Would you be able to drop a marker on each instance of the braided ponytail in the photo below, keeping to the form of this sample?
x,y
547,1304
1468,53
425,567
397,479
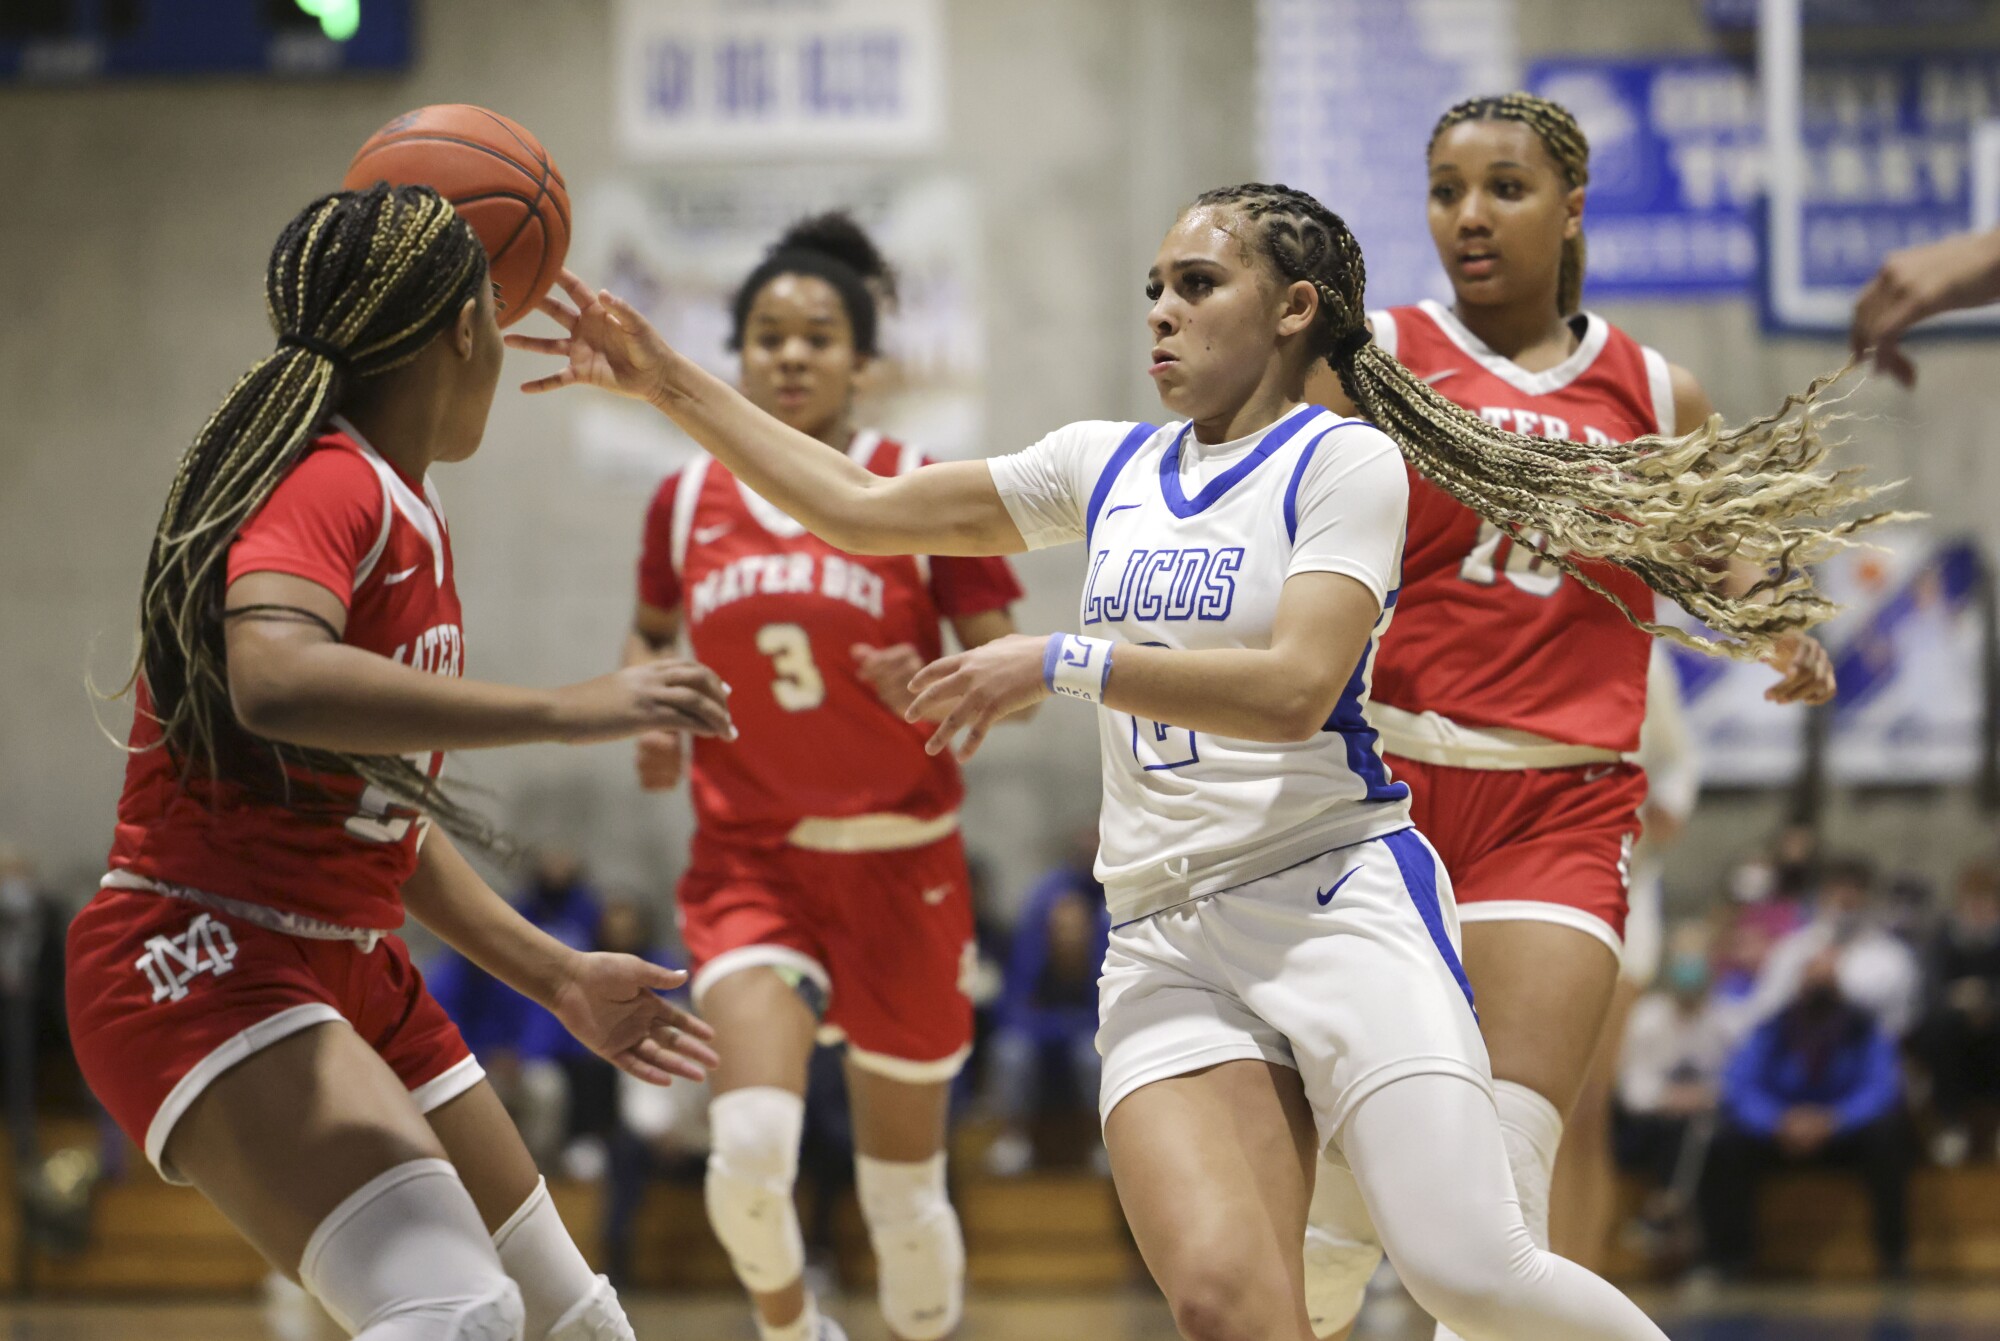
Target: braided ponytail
x,y
358,284
1673,511
1567,145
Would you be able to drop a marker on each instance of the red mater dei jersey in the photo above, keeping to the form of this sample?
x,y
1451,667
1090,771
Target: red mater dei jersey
x,y
1489,633
345,519
777,612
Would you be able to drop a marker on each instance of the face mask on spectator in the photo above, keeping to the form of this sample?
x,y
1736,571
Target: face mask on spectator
x,y
1687,974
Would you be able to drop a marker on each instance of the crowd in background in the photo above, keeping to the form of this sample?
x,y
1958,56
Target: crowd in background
x,y
1820,1014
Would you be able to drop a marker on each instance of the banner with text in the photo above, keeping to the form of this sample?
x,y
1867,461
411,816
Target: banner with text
x,y
779,78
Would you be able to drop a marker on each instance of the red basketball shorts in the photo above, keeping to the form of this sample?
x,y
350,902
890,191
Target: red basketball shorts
x,y
1533,844
166,995
885,937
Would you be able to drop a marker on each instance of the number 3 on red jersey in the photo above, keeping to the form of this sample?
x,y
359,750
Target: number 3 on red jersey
x,y
798,686
1526,567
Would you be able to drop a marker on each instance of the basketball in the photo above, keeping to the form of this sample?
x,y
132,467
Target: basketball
x,y
499,177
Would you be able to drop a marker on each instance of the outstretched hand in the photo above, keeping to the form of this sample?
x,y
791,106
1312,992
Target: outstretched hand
x,y
1920,282
1807,670
973,690
611,1003
606,343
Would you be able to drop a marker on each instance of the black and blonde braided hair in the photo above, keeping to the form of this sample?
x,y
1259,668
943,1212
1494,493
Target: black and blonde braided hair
x,y
1674,511
358,284
1567,145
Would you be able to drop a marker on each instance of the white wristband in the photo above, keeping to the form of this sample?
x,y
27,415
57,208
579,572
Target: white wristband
x,y
1076,666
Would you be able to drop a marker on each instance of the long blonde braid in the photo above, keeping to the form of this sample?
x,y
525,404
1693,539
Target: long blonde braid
x,y
1673,511
358,284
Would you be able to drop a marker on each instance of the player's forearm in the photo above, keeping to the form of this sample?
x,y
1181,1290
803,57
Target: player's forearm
x,y
331,696
1242,693
449,897
821,488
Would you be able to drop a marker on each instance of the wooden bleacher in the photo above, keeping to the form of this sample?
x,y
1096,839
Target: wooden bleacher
x,y
1044,1231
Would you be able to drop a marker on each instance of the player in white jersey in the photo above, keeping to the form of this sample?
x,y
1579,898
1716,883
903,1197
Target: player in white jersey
x,y
1284,974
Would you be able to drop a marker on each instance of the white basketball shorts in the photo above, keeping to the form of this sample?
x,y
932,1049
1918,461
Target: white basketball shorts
x,y
1344,968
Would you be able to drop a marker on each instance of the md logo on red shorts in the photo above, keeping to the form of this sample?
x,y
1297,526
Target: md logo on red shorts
x,y
172,962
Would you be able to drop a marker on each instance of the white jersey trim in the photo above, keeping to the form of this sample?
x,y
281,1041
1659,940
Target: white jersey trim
x,y
1527,910
281,920
1384,324
687,497
871,833
253,1040
907,1071
417,511
1596,334
1432,738
447,1085
1660,381
758,956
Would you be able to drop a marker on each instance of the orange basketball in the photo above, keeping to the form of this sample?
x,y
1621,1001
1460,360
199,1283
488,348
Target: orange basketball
x,y
500,178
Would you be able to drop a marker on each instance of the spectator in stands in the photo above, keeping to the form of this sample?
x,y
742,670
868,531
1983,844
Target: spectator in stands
x,y
1820,1083
1047,1018
1959,1039
1878,970
531,1060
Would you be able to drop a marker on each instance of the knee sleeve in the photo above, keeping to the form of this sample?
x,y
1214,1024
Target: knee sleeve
x,y
406,1258
1341,1251
564,1299
1531,1130
919,1249
752,1164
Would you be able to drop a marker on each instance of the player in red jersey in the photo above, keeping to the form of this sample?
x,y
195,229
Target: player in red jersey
x,y
1509,695
828,883
237,997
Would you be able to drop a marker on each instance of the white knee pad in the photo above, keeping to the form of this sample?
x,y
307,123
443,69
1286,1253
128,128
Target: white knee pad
x,y
1342,1250
1533,1132
406,1258
597,1316
752,1163
1531,1128
919,1248
564,1299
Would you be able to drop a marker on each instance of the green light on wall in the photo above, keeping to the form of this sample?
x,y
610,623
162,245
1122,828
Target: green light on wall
x,y
338,19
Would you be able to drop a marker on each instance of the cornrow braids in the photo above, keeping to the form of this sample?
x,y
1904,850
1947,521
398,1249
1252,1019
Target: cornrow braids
x,y
358,284
1567,145
1674,511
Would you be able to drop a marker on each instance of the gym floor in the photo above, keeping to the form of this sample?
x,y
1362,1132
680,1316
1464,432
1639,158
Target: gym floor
x,y
1819,1314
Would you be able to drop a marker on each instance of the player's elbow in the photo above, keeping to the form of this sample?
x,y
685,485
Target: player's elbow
x,y
264,698
1301,711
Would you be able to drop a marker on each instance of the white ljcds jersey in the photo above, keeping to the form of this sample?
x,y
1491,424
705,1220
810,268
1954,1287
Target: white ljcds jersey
x,y
1189,547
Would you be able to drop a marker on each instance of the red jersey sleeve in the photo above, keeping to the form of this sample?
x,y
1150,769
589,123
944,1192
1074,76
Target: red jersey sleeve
x,y
322,523
964,587
659,584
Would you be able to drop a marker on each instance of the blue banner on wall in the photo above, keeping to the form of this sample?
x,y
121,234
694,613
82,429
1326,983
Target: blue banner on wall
x,y
1677,165
1676,171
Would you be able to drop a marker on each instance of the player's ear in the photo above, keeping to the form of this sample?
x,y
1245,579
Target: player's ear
x,y
465,334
